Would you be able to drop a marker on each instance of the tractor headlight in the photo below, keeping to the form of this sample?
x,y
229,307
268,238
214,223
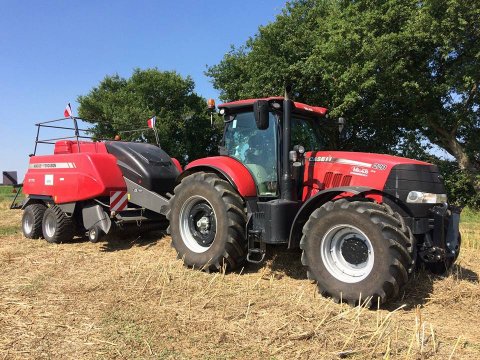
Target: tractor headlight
x,y
419,197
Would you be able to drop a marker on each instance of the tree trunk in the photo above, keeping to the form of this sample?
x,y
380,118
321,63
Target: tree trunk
x,y
449,142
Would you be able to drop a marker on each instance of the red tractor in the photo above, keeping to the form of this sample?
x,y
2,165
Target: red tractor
x,y
362,220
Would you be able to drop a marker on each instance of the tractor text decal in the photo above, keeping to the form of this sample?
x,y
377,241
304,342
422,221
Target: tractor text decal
x,y
320,159
359,171
339,161
63,165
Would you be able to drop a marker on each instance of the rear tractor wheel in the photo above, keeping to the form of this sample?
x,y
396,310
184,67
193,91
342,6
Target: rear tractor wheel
x,y
358,252
32,220
57,227
207,223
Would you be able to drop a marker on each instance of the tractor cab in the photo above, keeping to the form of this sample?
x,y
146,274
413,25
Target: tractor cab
x,y
255,139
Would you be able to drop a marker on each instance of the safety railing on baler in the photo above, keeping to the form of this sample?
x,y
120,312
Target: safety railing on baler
x,y
78,134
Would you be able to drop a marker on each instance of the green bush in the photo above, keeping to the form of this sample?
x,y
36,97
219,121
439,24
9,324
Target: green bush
x,y
460,190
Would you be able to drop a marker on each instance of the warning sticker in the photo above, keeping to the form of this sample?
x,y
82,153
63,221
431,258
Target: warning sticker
x,y
49,179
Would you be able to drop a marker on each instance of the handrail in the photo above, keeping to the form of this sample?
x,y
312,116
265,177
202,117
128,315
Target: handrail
x,y
75,129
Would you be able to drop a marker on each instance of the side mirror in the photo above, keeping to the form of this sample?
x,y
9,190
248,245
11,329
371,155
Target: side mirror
x,y
262,113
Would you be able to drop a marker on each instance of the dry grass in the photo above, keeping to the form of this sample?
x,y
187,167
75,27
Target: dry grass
x,y
131,298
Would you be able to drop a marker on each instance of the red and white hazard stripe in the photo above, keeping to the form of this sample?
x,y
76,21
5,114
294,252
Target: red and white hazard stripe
x,y
118,200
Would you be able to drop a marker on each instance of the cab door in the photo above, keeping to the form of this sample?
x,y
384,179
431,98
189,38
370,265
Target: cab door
x,y
256,149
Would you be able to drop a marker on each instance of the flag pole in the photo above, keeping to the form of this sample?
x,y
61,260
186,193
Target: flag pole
x,y
68,113
156,135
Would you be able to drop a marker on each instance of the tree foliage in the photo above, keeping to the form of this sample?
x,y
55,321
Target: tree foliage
x,y
118,106
403,73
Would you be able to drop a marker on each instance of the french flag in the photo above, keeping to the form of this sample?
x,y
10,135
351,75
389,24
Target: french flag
x,y
151,122
68,111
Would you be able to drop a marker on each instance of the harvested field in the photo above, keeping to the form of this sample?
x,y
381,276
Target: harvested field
x,y
131,298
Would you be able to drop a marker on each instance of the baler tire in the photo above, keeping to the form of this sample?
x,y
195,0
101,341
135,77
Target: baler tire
x,y
222,242
32,221
57,227
95,234
358,252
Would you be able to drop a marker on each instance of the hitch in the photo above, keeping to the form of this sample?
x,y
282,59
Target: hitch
x,y
443,241
452,240
17,189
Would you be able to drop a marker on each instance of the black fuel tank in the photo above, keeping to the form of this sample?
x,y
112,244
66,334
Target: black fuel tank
x,y
145,164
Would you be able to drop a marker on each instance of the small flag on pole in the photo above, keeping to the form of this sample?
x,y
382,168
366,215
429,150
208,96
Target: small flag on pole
x,y
151,122
68,111
151,125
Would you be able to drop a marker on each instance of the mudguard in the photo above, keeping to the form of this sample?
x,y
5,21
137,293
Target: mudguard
x,y
318,200
231,169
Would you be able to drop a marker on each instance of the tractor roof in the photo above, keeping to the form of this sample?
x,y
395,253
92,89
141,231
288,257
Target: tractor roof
x,y
298,107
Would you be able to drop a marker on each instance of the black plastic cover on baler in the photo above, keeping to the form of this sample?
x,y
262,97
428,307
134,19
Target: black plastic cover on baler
x,y
145,164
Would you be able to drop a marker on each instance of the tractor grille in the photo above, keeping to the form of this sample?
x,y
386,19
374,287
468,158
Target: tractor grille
x,y
335,180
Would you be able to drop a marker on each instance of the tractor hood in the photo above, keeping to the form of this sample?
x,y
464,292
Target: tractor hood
x,y
328,169
364,160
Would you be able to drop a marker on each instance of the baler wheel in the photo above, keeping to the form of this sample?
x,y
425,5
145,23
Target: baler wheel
x,y
32,221
95,234
57,227
207,223
358,252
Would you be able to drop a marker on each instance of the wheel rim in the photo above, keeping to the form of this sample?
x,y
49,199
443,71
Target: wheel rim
x,y
347,253
50,226
93,234
28,224
198,224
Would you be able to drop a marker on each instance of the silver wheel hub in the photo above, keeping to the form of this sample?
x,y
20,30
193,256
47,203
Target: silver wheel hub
x,y
198,224
203,225
28,224
347,253
50,226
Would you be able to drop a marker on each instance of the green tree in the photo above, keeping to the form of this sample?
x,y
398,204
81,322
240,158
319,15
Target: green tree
x,y
401,72
118,106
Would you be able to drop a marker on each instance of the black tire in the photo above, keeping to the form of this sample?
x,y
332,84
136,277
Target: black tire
x,y
95,234
57,227
358,251
206,199
32,221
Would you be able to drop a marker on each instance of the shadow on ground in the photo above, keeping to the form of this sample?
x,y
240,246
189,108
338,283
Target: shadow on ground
x,y
129,238
420,287
280,260
283,261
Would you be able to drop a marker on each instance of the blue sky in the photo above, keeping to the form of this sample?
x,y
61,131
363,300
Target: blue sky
x,y
53,51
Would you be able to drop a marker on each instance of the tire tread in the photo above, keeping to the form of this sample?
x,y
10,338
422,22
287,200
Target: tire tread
x,y
235,250
65,226
37,211
393,229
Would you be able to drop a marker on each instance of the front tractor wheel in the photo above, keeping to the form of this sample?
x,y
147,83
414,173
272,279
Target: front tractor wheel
x,y
32,220
207,223
57,227
358,252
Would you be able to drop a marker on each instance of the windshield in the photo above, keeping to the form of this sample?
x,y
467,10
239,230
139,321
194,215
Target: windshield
x,y
255,148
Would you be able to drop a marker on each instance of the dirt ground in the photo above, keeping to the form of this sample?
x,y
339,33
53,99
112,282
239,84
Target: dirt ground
x,y
131,298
